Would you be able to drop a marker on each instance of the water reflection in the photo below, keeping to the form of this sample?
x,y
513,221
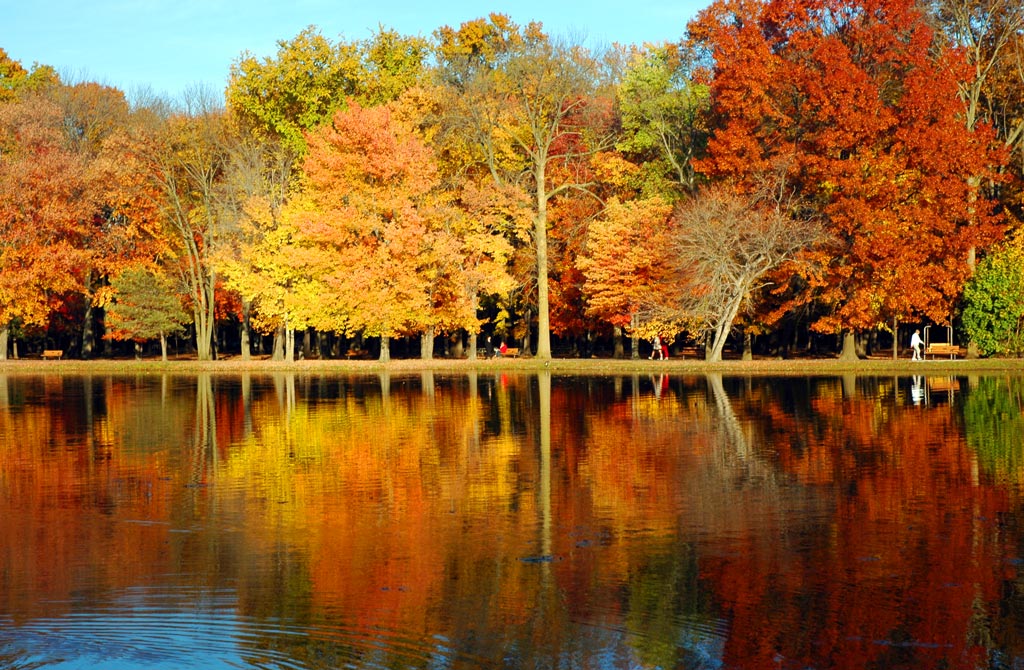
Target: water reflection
x,y
283,521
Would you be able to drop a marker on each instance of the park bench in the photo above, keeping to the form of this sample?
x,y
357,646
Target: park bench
x,y
511,352
944,349
355,353
54,354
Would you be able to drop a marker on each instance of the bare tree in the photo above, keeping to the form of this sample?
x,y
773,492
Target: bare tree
x,y
726,245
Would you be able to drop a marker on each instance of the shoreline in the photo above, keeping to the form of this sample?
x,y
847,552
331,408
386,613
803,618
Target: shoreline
x,y
592,366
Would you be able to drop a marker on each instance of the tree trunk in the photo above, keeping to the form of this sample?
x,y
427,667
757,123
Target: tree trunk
x,y
849,352
289,344
244,335
427,344
723,327
88,330
163,347
472,345
5,337
618,350
540,234
895,338
456,348
138,350
524,344
385,349
279,337
634,338
748,346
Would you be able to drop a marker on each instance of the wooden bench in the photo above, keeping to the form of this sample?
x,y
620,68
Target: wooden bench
x,y
936,349
510,352
355,353
53,354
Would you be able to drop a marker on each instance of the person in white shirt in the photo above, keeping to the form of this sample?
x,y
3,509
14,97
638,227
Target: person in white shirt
x,y
915,344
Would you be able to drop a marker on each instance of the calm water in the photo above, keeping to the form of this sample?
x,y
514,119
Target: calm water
x,y
510,521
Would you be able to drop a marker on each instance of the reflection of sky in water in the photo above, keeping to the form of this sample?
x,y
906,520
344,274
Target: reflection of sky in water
x,y
143,629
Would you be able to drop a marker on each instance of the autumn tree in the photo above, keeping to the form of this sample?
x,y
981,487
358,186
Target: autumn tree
x,y
186,159
45,208
725,246
98,126
625,263
259,174
15,80
521,101
370,229
859,100
491,216
145,306
297,89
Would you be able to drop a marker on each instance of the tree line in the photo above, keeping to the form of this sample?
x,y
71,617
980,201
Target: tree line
x,y
789,174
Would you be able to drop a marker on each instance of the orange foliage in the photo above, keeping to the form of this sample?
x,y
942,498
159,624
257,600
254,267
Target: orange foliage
x,y
861,105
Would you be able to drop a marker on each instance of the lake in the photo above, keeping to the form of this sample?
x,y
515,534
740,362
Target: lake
x,y
507,520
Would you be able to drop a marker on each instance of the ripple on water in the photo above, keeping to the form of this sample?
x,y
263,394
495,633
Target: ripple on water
x,y
145,631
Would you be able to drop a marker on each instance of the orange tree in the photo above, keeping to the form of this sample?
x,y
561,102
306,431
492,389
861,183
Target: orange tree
x,y
45,208
369,231
859,100
625,262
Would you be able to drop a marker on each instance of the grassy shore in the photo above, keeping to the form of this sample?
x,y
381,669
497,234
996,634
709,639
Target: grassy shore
x,y
592,366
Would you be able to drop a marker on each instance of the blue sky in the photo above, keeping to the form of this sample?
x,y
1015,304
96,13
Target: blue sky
x,y
170,45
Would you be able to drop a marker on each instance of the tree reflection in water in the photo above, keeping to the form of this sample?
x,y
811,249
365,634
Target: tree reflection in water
x,y
498,519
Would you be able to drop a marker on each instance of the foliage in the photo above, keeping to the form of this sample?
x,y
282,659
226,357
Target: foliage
x,y
185,159
145,306
46,205
625,261
859,103
524,107
993,310
663,115
298,89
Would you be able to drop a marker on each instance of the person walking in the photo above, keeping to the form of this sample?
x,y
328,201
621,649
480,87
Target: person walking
x,y
915,344
656,347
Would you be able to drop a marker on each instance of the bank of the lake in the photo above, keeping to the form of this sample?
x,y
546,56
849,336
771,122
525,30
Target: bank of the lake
x,y
593,366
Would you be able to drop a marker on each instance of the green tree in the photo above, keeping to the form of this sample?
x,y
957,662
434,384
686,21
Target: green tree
x,y
145,307
664,117
993,313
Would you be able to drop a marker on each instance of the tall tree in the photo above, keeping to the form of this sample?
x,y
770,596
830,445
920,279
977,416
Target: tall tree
x,y
523,101
858,100
372,185
186,160
45,208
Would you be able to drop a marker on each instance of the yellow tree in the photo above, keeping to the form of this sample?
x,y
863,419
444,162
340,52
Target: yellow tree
x,y
521,102
372,184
